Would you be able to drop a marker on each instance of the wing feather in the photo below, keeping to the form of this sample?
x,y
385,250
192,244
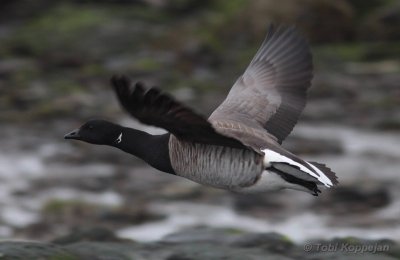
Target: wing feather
x,y
271,93
152,107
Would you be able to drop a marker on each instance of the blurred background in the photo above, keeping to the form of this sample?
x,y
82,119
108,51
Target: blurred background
x,y
56,59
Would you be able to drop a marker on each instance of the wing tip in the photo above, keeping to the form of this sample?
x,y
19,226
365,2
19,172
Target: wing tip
x,y
118,80
298,53
122,84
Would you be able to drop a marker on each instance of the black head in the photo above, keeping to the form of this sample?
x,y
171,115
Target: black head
x,y
97,132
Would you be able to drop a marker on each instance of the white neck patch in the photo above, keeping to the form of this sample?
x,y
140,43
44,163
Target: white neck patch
x,y
119,139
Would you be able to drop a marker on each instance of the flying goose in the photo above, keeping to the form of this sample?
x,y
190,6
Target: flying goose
x,y
238,147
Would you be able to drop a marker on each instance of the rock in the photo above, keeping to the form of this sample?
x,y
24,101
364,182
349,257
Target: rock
x,y
321,20
272,242
373,67
128,216
303,145
98,234
354,199
383,23
184,7
326,12
203,234
183,190
207,244
32,250
325,110
87,220
11,66
267,204
388,124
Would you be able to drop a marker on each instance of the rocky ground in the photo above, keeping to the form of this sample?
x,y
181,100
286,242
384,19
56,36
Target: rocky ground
x,y
199,243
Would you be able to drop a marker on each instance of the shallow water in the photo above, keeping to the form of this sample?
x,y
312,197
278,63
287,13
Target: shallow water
x,y
368,157
300,228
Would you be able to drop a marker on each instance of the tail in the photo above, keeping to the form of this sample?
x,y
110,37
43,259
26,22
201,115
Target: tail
x,y
297,171
327,171
293,174
297,183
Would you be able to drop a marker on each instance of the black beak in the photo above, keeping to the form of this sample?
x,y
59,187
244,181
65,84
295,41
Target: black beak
x,y
73,135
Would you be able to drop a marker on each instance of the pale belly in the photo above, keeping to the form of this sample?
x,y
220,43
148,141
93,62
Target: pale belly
x,y
270,181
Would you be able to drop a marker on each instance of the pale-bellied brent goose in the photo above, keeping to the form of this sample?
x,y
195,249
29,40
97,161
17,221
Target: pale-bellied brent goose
x,y
238,147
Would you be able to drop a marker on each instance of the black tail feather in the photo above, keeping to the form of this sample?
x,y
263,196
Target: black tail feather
x,y
327,171
310,185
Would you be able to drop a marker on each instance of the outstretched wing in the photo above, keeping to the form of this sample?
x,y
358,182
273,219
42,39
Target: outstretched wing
x,y
158,109
271,93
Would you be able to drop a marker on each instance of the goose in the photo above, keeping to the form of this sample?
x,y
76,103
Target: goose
x,y
238,148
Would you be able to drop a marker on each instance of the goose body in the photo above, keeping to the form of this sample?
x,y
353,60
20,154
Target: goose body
x,y
218,166
238,147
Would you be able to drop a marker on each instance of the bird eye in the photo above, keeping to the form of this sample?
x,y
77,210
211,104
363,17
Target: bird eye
x,y
90,127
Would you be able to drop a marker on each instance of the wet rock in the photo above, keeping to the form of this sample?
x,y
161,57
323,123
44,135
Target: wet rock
x,y
10,66
74,180
129,216
266,204
389,124
326,12
204,234
183,191
354,199
276,206
383,23
303,145
98,234
228,245
39,230
32,250
371,68
337,97
181,7
324,110
76,213
95,218
335,19
272,242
